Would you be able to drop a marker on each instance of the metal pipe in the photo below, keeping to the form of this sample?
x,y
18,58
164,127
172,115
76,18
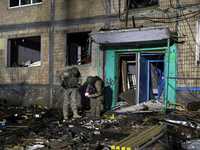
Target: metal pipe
x,y
142,49
167,74
127,9
119,10
98,55
181,78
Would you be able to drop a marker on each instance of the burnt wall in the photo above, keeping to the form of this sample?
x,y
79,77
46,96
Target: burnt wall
x,y
27,95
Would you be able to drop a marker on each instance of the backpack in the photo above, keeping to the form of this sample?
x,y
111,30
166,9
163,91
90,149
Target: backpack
x,y
93,89
98,78
71,82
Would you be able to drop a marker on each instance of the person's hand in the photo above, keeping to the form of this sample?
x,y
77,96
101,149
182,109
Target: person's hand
x,y
87,90
89,95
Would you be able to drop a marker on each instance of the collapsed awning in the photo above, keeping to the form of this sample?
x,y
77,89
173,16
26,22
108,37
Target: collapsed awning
x,y
131,37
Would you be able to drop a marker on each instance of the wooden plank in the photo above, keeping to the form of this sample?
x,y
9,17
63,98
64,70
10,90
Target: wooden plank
x,y
124,76
10,126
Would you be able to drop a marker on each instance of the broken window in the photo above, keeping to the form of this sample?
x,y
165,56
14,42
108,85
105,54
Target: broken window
x,y
24,52
141,3
16,3
78,48
197,42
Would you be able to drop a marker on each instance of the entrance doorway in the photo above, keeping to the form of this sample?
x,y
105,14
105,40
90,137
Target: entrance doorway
x,y
151,82
127,77
140,77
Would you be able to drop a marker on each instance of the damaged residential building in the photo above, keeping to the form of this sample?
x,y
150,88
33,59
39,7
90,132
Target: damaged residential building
x,y
148,47
142,49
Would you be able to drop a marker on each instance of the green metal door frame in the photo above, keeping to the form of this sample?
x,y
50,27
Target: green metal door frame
x,y
111,76
170,71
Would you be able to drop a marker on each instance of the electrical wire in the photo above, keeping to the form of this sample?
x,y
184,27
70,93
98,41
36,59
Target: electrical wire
x,y
172,21
114,7
182,17
193,53
171,17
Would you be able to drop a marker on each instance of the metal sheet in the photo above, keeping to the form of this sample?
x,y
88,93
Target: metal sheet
x,y
130,35
128,96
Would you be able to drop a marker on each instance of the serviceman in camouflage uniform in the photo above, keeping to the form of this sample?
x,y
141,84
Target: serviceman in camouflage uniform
x,y
95,89
70,80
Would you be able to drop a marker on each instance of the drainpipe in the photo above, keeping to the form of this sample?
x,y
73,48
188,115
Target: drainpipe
x,y
51,52
119,11
98,55
167,73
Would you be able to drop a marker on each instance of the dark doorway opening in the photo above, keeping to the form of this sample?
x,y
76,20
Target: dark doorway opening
x,y
151,73
127,77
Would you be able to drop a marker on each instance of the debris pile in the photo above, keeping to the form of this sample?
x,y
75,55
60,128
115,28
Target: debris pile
x,y
122,127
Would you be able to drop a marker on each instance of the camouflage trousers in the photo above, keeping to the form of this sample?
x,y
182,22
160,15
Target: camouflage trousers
x,y
95,104
69,100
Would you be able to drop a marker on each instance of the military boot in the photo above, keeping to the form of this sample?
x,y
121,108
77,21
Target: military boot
x,y
76,115
65,116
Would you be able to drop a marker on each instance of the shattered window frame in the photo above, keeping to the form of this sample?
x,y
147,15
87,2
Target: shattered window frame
x,y
137,4
23,52
22,3
78,48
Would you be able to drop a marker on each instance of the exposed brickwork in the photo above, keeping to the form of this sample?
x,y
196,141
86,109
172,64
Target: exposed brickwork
x,y
67,10
26,14
38,75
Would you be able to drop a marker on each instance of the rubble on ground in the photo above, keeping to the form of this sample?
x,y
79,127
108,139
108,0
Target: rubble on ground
x,y
39,127
152,105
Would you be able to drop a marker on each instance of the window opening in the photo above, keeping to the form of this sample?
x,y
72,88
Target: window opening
x,y
24,52
78,48
25,2
17,3
142,3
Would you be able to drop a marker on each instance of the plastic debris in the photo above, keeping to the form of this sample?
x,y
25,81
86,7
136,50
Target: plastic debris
x,y
112,117
3,127
191,145
34,147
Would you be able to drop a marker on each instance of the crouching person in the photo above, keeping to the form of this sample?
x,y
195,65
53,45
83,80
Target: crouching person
x,y
95,90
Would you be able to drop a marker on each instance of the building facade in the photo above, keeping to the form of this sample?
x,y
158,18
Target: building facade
x,y
39,39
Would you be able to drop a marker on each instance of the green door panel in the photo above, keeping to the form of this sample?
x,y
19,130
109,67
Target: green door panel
x,y
110,79
172,68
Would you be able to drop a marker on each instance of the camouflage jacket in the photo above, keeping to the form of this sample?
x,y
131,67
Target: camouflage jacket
x,y
99,85
66,79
